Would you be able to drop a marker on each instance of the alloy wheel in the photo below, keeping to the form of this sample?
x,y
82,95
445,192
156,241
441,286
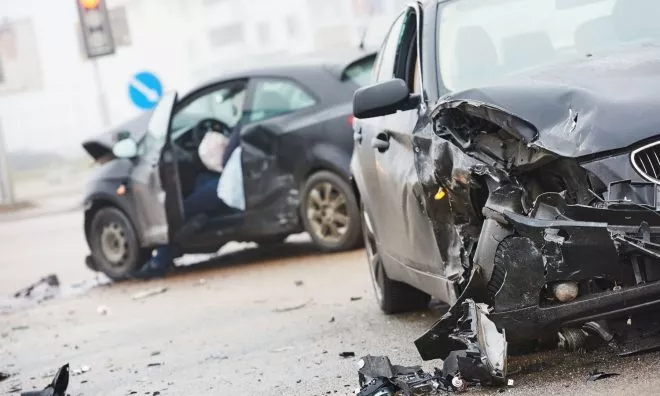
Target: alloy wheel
x,y
375,267
327,212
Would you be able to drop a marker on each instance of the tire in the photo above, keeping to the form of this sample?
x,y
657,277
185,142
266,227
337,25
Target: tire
x,y
330,212
392,296
114,243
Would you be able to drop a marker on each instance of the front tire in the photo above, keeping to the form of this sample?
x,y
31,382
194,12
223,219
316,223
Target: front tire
x,y
392,296
330,212
114,243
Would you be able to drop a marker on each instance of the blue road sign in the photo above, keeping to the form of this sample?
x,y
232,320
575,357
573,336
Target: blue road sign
x,y
145,90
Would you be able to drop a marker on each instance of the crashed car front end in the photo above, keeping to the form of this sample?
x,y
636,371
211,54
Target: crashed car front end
x,y
550,242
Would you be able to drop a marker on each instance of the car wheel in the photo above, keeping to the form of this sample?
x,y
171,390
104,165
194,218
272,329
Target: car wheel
x,y
330,212
114,244
392,296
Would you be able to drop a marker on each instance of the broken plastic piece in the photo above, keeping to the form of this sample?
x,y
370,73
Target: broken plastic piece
x,y
440,194
599,375
57,387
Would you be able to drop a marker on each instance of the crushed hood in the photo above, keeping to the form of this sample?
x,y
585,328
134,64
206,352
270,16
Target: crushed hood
x,y
101,145
598,104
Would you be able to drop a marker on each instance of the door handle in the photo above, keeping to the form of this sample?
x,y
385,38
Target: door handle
x,y
357,135
381,142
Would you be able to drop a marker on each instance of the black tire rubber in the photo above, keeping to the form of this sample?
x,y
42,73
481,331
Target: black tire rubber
x,y
398,297
394,297
137,256
353,237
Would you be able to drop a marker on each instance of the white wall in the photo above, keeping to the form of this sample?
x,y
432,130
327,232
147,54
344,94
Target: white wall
x,y
169,38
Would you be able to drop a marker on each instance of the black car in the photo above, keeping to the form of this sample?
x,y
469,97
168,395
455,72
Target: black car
x,y
517,165
295,126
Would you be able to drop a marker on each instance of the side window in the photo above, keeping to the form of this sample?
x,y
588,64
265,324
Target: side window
x,y
223,104
273,97
388,52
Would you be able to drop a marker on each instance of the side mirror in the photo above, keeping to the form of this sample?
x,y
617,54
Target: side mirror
x,y
384,98
125,148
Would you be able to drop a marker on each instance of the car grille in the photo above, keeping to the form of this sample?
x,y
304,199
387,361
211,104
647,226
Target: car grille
x,y
646,161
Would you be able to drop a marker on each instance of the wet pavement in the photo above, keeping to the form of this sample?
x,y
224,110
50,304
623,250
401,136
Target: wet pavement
x,y
249,322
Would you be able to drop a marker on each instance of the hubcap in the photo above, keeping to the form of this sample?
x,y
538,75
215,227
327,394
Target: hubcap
x,y
114,244
375,267
327,212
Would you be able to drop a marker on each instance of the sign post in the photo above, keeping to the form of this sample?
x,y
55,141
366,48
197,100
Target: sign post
x,y
98,41
6,185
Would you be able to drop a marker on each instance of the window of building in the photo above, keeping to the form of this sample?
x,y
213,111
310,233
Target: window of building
x,y
227,35
292,26
263,33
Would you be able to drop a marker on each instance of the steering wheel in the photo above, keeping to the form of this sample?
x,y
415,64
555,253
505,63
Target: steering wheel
x,y
206,125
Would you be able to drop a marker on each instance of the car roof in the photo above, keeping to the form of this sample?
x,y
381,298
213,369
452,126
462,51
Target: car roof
x,y
329,62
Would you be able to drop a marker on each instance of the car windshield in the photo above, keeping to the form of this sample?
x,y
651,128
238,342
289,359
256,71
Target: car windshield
x,y
481,41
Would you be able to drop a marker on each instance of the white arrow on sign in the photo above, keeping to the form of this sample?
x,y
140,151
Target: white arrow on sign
x,y
151,94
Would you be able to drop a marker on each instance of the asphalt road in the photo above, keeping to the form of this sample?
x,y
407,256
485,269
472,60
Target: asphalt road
x,y
238,324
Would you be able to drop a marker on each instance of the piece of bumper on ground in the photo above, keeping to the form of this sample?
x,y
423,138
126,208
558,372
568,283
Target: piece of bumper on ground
x,y
479,357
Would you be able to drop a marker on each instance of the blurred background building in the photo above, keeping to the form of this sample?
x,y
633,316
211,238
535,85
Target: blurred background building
x,y
48,94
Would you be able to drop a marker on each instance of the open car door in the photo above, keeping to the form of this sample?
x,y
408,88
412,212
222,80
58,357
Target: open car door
x,y
268,181
155,179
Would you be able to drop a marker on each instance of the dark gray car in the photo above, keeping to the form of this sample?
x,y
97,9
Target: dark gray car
x,y
295,126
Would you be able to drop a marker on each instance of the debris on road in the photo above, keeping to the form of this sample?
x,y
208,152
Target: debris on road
x,y
347,354
81,370
473,351
292,308
57,387
149,293
155,353
44,289
356,298
332,320
599,375
283,349
4,376
154,364
18,328
298,283
102,310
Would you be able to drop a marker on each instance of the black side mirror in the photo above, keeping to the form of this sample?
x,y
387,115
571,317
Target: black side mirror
x,y
384,98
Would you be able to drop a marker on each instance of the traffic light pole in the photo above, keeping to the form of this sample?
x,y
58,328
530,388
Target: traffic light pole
x,y
6,185
103,103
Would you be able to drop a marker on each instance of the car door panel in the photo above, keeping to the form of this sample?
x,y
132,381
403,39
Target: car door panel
x,y
154,180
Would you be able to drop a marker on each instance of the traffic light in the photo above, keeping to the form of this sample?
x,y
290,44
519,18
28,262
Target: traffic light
x,y
95,26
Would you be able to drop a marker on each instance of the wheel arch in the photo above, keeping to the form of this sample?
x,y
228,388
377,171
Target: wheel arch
x,y
95,203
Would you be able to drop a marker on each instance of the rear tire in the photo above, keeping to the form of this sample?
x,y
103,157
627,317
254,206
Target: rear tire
x,y
392,296
115,247
330,212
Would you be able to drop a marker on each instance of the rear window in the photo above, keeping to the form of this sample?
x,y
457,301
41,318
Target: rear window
x,y
360,72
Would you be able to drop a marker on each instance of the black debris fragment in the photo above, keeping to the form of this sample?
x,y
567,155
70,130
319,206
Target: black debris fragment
x,y
43,289
155,353
599,375
347,354
332,320
4,376
356,298
57,387
154,364
473,350
298,283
